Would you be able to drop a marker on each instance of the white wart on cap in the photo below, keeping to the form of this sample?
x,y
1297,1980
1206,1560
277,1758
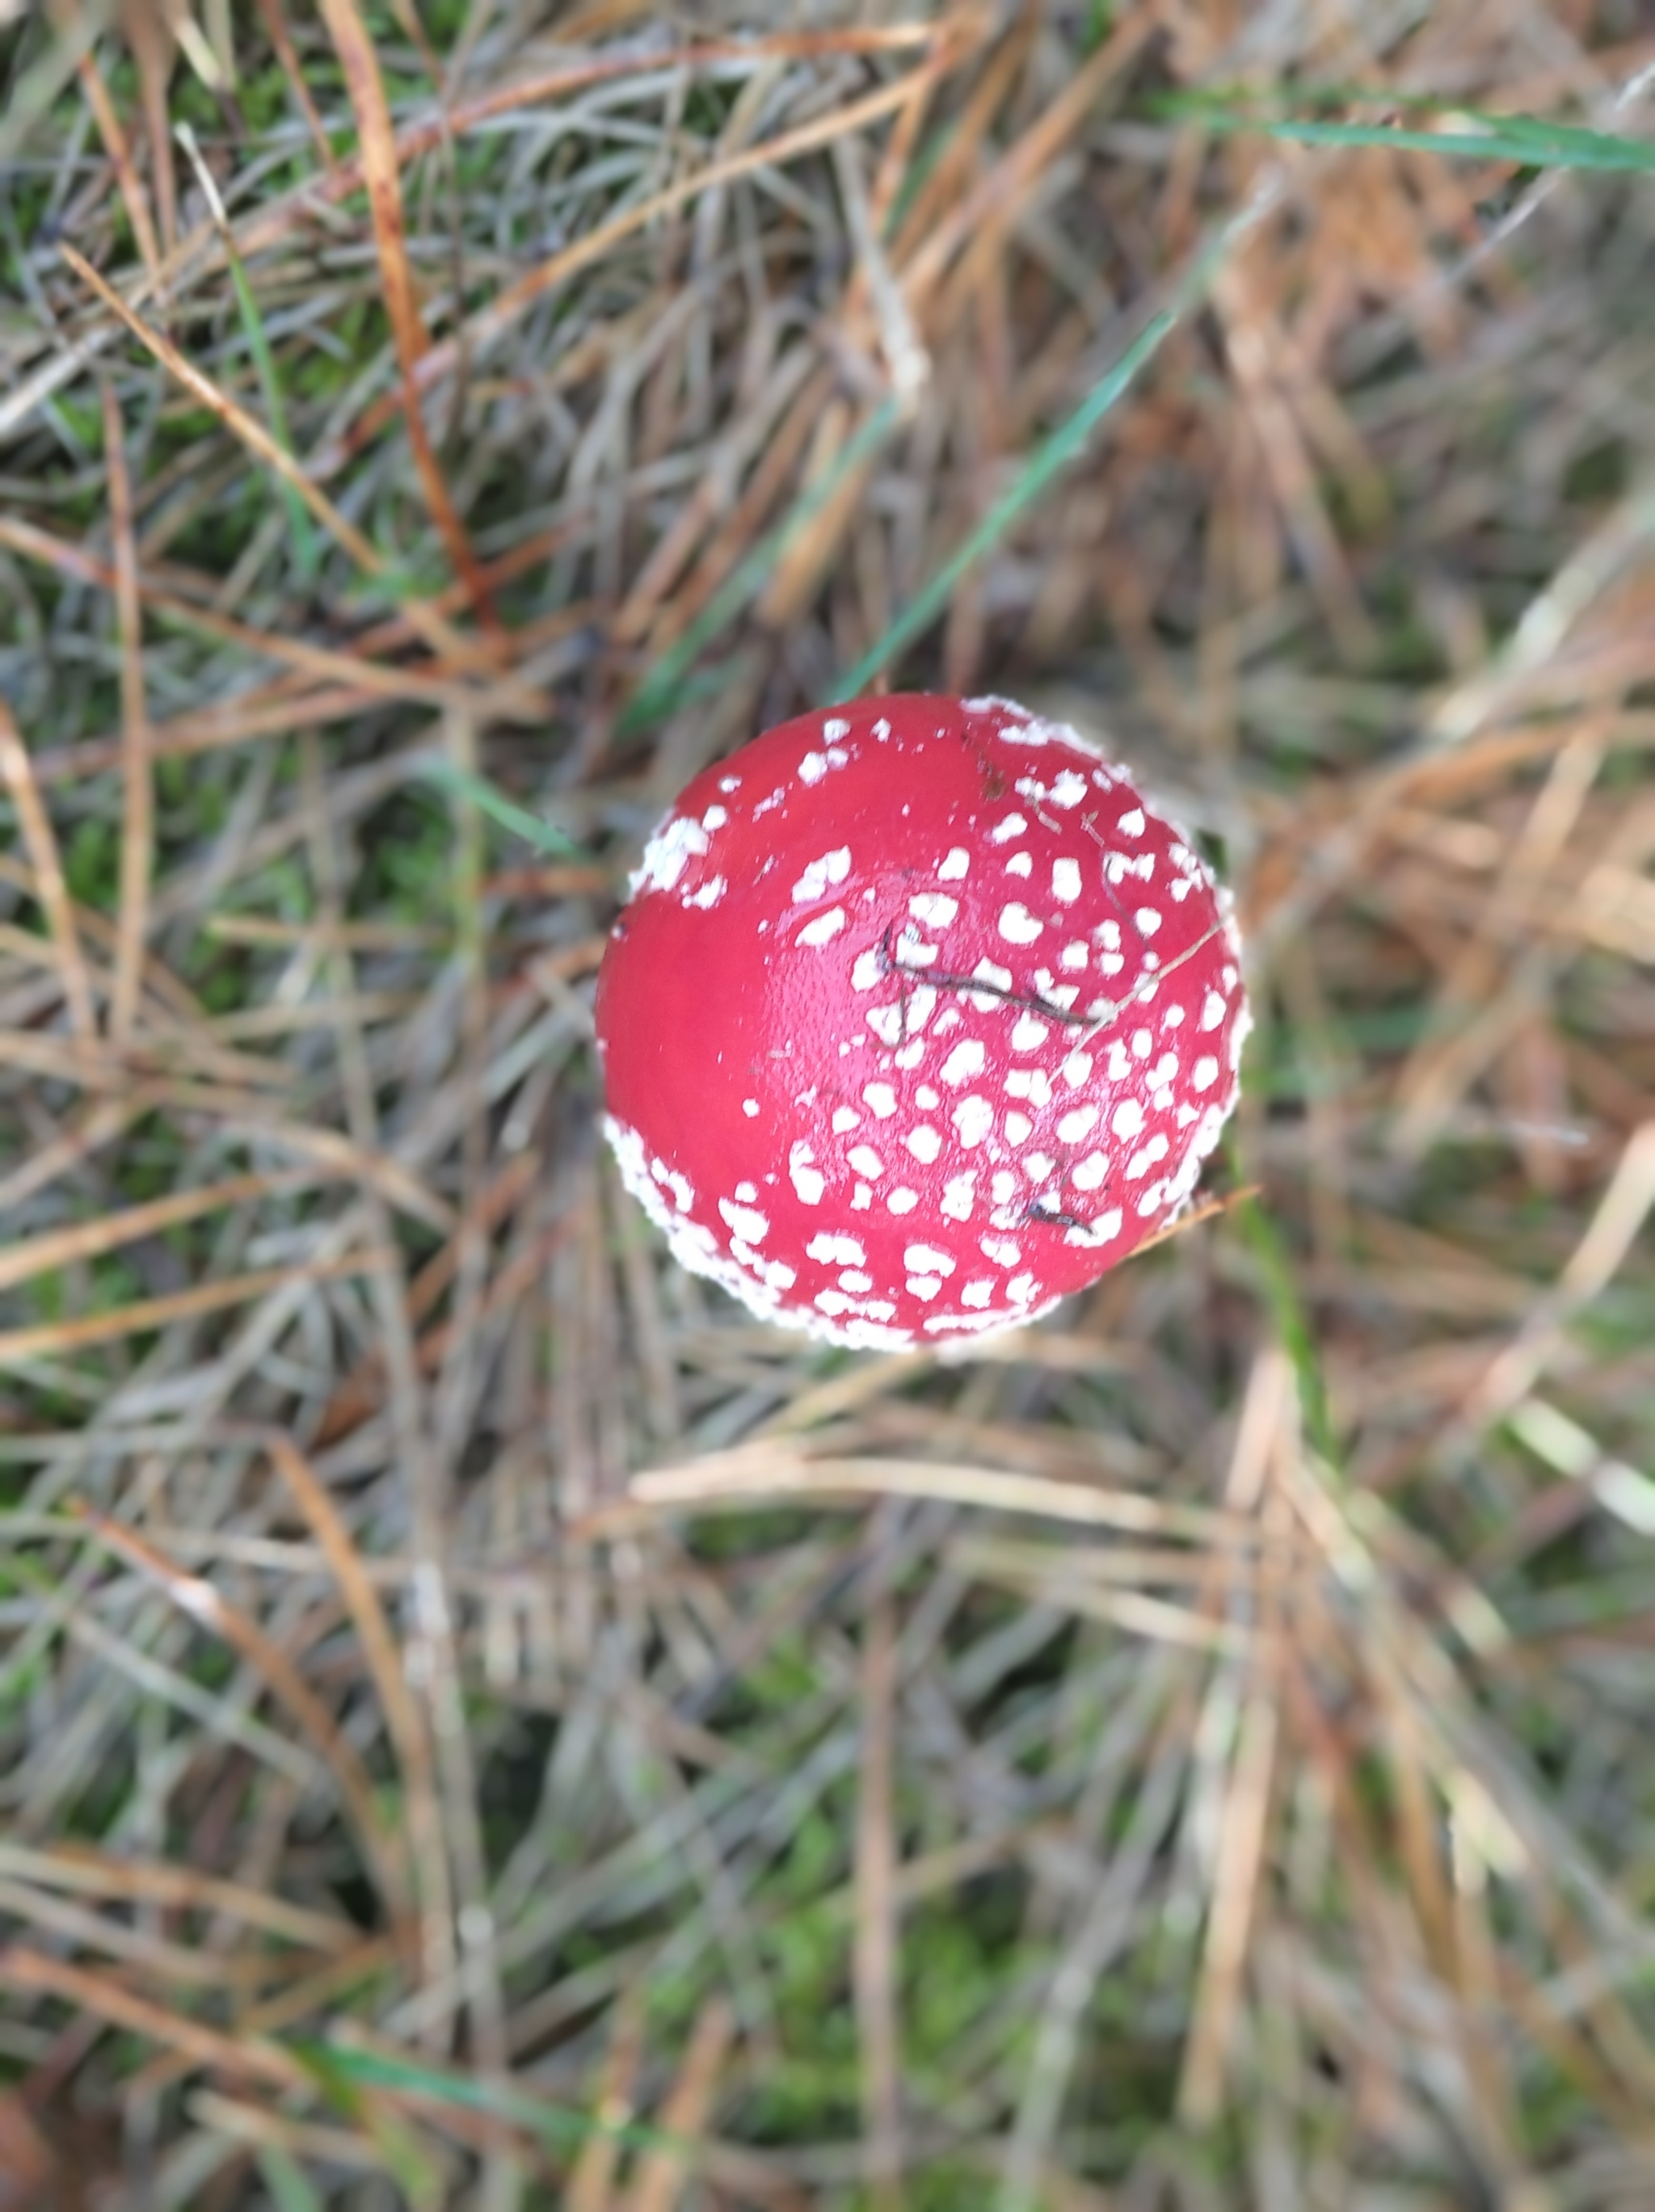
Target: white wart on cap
x,y
918,1019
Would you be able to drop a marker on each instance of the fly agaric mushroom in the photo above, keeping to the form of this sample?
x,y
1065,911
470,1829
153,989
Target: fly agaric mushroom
x,y
917,1019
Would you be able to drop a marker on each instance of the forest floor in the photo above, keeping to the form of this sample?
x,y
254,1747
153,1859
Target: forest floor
x,y
1196,1752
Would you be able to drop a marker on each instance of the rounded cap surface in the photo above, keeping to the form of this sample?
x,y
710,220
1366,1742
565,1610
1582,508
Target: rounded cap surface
x,y
918,1017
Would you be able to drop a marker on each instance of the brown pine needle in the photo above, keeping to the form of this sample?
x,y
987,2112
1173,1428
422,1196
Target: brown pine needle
x,y
117,145
684,2113
384,1659
51,1338
1205,1210
275,23
360,61
23,1968
59,1248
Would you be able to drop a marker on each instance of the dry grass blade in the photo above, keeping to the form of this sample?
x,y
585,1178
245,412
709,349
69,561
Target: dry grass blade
x,y
385,1661
209,729
591,2181
730,1477
76,1867
343,176
1269,1432
382,1846
57,1248
365,675
137,1950
334,1153
151,31
489,326
275,23
137,825
41,846
331,2147
874,1969
48,1340
1055,1582
1205,1210
1613,1231
118,148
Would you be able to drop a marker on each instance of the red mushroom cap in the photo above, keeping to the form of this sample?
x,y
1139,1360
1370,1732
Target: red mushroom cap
x,y
918,1019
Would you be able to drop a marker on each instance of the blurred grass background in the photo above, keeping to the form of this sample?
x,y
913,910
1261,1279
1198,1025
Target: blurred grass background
x,y
483,1723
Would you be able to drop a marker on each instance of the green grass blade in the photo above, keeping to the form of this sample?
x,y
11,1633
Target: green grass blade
x,y
1045,462
306,547
406,2159
1533,141
306,543
342,2069
284,2179
1533,148
1292,1324
1048,460
544,836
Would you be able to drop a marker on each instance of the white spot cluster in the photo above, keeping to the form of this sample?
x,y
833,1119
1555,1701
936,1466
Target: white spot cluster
x,y
831,869
677,840
833,1248
968,1058
934,908
823,928
815,765
748,1223
959,1196
808,1181
973,1118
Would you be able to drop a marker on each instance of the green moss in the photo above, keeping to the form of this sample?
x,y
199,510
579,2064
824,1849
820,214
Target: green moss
x,y
92,863
1600,473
